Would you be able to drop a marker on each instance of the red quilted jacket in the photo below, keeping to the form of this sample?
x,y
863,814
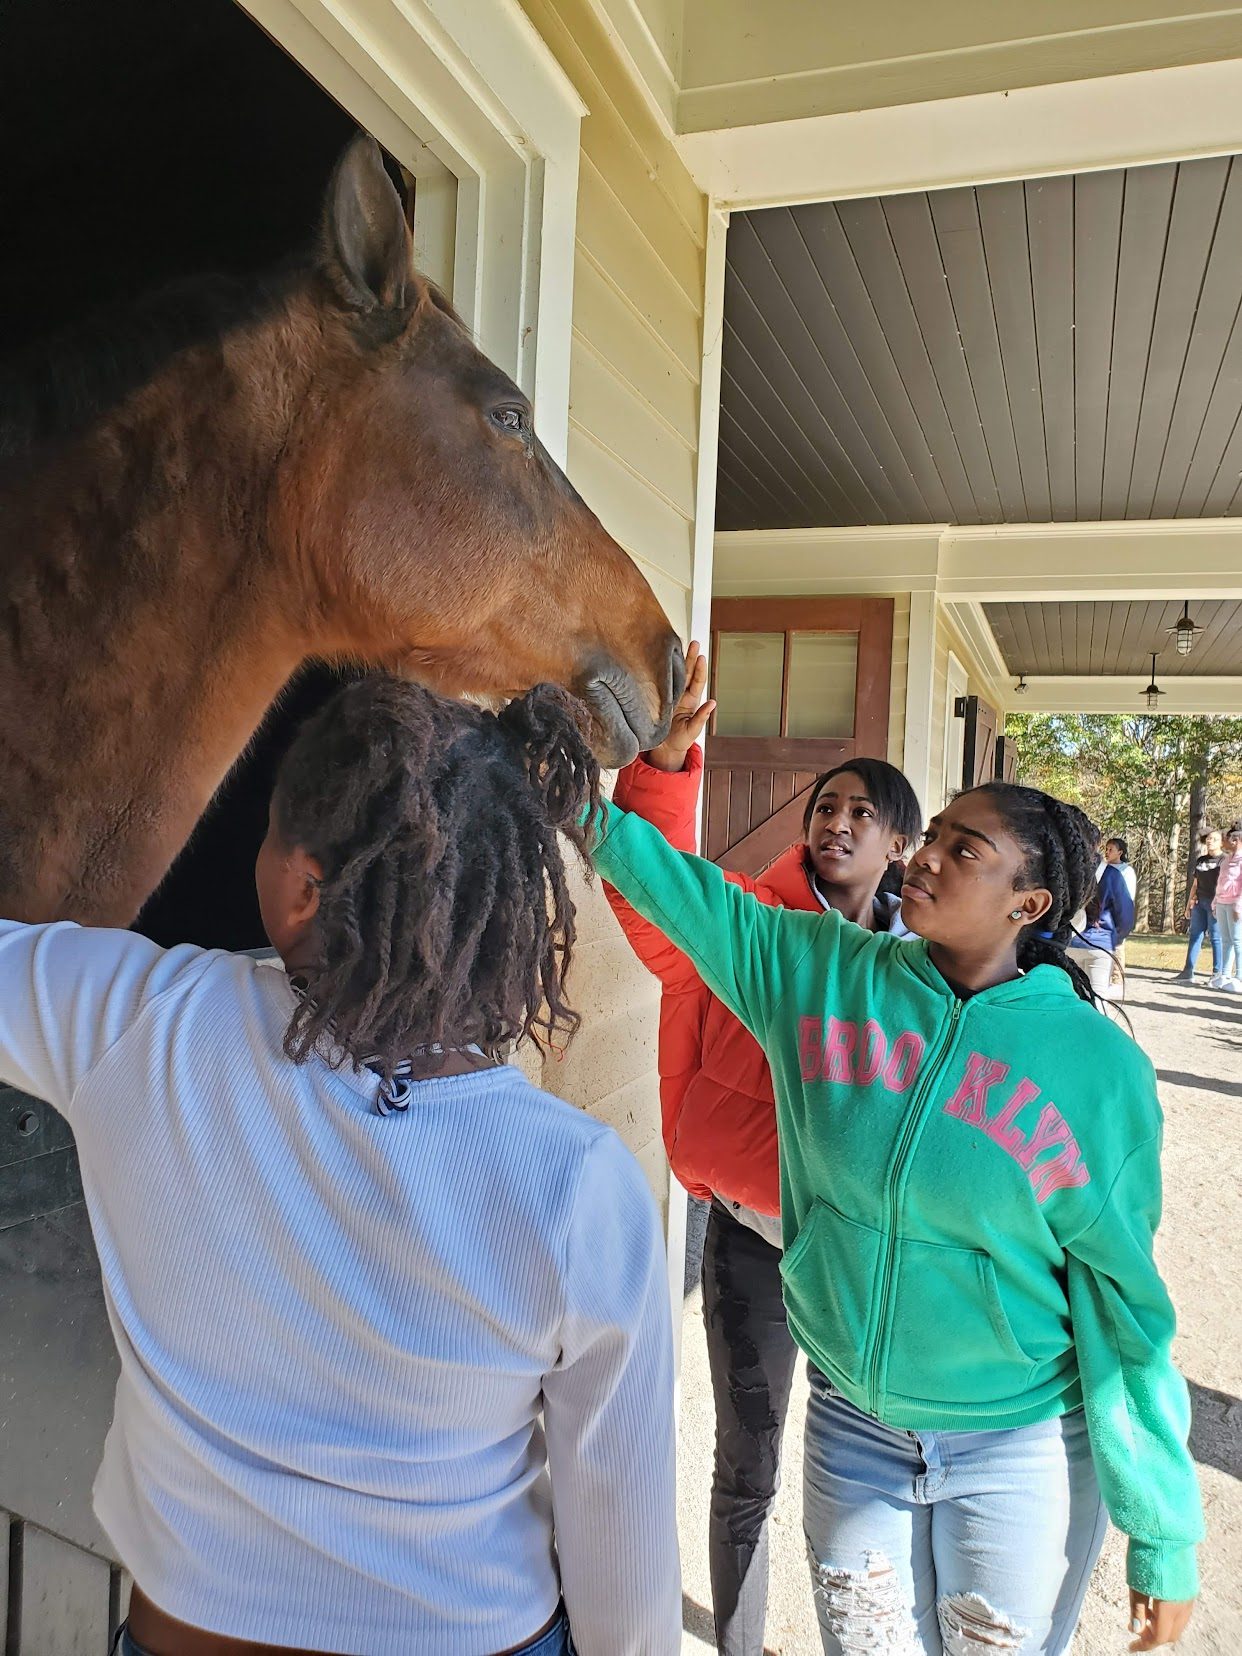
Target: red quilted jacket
x,y
716,1099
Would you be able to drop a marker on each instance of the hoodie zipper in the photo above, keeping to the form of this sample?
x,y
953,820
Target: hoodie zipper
x,y
897,1169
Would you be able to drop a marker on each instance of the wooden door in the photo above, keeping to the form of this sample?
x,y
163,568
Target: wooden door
x,y
979,759
1006,759
814,693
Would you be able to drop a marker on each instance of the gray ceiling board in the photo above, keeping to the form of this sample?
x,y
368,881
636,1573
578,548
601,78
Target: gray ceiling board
x,y
1050,226
1060,349
1116,639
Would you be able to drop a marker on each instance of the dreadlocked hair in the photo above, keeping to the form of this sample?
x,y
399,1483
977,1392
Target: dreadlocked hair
x,y
1061,844
444,915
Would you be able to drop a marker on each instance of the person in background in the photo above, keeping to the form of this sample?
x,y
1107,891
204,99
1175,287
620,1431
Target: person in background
x,y
1228,907
1201,909
970,1187
396,1356
1100,929
1117,854
720,1120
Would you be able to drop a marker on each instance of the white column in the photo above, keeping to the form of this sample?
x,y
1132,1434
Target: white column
x,y
700,628
920,674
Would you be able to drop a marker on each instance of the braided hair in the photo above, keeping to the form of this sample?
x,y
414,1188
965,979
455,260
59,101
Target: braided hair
x,y
1061,846
445,914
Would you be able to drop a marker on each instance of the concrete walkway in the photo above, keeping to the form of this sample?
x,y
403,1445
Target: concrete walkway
x,y
1194,1038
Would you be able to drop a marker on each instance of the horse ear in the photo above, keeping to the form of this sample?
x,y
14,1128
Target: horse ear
x,y
366,239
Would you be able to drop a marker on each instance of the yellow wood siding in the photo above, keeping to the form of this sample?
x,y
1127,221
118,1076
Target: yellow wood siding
x,y
633,439
948,638
642,227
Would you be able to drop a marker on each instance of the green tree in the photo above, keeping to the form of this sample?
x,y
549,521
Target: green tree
x,y
1153,779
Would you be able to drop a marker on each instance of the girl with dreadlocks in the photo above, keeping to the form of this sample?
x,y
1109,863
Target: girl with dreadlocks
x,y
394,1328
970,1182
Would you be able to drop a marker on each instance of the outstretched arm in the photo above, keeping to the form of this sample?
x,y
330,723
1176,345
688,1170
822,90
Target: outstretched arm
x,y
744,950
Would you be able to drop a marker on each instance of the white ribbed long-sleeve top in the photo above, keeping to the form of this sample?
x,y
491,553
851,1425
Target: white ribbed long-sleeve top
x,y
388,1383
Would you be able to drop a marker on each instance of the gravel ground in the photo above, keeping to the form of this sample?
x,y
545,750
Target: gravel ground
x,y
1194,1038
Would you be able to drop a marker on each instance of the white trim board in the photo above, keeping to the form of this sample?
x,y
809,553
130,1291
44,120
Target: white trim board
x,y
974,627
970,626
1085,562
1171,114
1007,563
1064,694
632,40
473,83
920,686
700,620
769,562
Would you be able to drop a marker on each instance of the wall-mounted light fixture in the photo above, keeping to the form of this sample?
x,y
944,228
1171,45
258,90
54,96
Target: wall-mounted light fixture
x,y
1021,687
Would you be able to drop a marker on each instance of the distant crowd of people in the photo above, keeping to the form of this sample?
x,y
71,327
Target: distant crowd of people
x,y
1213,912
1214,909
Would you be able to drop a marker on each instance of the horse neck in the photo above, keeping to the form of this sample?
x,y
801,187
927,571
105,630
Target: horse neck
x,y
160,513
148,625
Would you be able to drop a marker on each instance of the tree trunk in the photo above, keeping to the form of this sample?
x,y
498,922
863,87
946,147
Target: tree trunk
x,y
1171,870
1142,905
1198,820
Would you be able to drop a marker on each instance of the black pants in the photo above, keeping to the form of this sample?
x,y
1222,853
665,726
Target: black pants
x,y
752,1357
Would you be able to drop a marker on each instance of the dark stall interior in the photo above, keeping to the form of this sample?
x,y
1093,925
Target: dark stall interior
x,y
146,141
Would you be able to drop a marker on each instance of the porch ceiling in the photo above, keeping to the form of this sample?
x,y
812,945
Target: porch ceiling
x,y
1057,349
1116,639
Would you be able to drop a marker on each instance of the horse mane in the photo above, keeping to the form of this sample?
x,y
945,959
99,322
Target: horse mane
x,y
55,388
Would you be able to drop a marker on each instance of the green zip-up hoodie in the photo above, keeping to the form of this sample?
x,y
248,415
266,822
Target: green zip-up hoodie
x,y
969,1189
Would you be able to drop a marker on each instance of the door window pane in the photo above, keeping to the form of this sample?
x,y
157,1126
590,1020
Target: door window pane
x,y
748,683
823,668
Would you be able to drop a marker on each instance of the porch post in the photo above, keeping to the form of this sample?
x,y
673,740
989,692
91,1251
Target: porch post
x,y
700,628
920,674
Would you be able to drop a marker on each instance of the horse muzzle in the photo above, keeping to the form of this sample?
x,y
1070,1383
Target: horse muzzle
x,y
622,722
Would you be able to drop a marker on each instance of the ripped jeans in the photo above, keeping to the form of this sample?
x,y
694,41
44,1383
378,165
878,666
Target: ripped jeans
x,y
947,1543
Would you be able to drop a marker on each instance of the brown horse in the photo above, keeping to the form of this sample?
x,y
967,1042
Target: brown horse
x,y
319,466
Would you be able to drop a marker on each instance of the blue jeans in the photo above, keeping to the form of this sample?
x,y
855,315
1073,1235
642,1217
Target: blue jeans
x,y
919,1540
1230,941
555,1642
1202,924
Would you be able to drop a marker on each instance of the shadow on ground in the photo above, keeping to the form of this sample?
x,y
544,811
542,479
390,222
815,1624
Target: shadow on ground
x,y
697,1621
1216,1429
1203,1083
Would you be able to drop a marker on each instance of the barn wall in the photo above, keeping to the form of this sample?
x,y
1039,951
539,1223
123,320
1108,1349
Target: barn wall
x,y
633,426
948,638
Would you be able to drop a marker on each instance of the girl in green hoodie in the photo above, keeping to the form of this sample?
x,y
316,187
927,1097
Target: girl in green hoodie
x,y
970,1183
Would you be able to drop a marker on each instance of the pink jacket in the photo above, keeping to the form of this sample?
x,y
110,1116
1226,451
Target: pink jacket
x,y
1229,882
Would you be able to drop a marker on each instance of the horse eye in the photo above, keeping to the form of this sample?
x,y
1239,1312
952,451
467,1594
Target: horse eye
x,y
511,419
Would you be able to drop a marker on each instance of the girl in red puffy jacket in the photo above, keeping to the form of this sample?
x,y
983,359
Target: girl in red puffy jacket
x,y
720,1124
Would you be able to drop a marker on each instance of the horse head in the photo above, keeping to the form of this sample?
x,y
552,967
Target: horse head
x,y
433,530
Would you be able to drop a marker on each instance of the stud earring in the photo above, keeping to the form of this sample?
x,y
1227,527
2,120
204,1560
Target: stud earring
x,y
1015,914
